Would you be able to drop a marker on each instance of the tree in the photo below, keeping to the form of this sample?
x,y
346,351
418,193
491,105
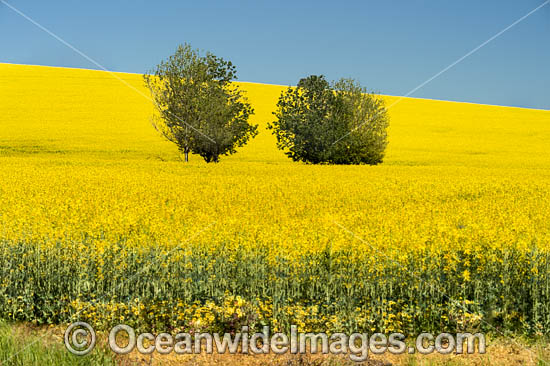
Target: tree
x,y
338,123
198,107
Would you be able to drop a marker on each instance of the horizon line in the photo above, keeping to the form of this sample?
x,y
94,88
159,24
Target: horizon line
x,y
272,84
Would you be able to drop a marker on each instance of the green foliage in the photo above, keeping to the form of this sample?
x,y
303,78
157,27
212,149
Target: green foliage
x,y
330,290
199,108
225,120
338,123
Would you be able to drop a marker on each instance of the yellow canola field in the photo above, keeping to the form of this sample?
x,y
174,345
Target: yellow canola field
x,y
98,215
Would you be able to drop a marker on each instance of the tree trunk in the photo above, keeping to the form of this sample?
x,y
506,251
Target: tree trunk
x,y
186,153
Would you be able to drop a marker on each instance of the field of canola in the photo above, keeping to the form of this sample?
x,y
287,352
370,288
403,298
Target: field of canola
x,y
100,220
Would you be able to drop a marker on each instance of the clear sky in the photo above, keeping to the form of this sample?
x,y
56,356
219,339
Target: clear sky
x,y
391,46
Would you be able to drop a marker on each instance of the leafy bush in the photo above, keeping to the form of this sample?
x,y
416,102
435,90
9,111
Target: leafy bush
x,y
199,108
338,123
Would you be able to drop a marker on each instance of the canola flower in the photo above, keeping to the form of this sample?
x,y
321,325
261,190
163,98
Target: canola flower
x,y
100,219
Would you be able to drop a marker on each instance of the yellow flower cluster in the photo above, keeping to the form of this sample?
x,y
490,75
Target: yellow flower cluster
x,y
100,218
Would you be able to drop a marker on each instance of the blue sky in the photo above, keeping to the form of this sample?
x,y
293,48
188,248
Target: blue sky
x,y
391,46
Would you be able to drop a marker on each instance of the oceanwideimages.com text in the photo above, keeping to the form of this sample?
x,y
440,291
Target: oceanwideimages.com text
x,y
80,339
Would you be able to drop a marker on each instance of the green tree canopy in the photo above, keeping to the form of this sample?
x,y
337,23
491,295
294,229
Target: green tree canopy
x,y
335,123
199,108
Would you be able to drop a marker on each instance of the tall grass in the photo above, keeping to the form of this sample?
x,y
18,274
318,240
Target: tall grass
x,y
16,350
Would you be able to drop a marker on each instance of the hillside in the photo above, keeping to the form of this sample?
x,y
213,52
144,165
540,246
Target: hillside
x,y
100,219
91,113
